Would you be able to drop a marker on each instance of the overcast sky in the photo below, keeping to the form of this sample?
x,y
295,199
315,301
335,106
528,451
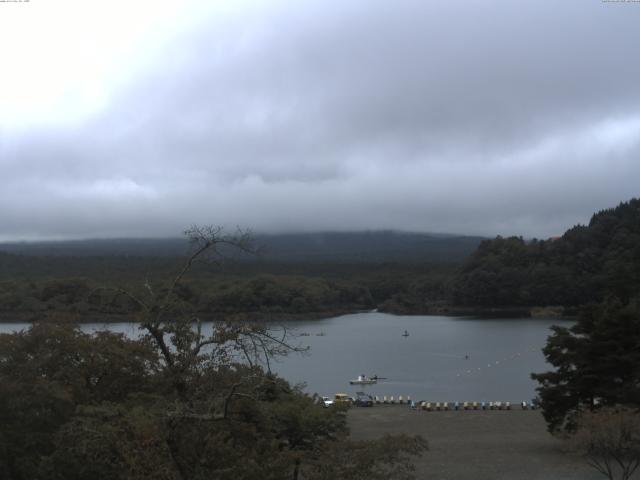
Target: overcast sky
x,y
480,117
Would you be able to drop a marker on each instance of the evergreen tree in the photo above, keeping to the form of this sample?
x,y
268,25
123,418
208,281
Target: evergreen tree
x,y
597,364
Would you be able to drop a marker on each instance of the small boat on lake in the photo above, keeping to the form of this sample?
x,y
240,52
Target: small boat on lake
x,y
405,334
364,380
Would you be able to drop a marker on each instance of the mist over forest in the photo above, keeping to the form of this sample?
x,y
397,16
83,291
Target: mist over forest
x,y
372,246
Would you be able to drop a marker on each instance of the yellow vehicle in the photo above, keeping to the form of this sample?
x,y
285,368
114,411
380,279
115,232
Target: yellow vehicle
x,y
342,398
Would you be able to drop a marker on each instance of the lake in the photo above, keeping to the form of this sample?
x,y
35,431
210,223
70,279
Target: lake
x,y
442,358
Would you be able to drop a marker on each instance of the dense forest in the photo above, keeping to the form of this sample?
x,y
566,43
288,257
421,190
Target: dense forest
x,y
587,264
85,286
326,274
81,277
513,275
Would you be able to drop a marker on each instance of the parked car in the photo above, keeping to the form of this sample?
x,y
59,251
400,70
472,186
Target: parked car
x,y
363,400
342,398
327,402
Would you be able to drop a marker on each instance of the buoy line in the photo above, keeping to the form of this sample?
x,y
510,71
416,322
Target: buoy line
x,y
495,363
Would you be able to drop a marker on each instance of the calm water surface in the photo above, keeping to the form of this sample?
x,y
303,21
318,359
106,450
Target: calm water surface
x,y
431,363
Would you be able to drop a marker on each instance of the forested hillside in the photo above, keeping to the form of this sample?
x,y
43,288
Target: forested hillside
x,y
585,265
301,275
323,274
332,247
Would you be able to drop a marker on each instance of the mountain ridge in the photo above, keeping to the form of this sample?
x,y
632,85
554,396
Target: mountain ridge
x,y
357,246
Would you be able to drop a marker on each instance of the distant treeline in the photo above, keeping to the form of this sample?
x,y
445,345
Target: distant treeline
x,y
265,294
88,286
296,275
322,247
80,286
585,265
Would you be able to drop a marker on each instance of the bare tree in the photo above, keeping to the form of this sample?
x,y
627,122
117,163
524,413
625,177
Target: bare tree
x,y
609,439
177,330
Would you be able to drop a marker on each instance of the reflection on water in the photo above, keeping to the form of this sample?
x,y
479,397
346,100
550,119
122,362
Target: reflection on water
x,y
442,358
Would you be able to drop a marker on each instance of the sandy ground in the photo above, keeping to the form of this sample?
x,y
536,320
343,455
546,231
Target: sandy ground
x,y
476,445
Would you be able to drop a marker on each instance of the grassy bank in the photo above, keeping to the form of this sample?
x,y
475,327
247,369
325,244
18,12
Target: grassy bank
x,y
476,445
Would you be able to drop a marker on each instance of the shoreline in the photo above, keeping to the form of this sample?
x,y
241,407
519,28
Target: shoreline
x,y
73,317
551,311
107,318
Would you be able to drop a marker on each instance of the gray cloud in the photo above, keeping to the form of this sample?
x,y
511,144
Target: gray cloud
x,y
467,117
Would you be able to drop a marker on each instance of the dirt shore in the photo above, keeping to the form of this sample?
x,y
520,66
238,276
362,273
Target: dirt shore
x,y
476,445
